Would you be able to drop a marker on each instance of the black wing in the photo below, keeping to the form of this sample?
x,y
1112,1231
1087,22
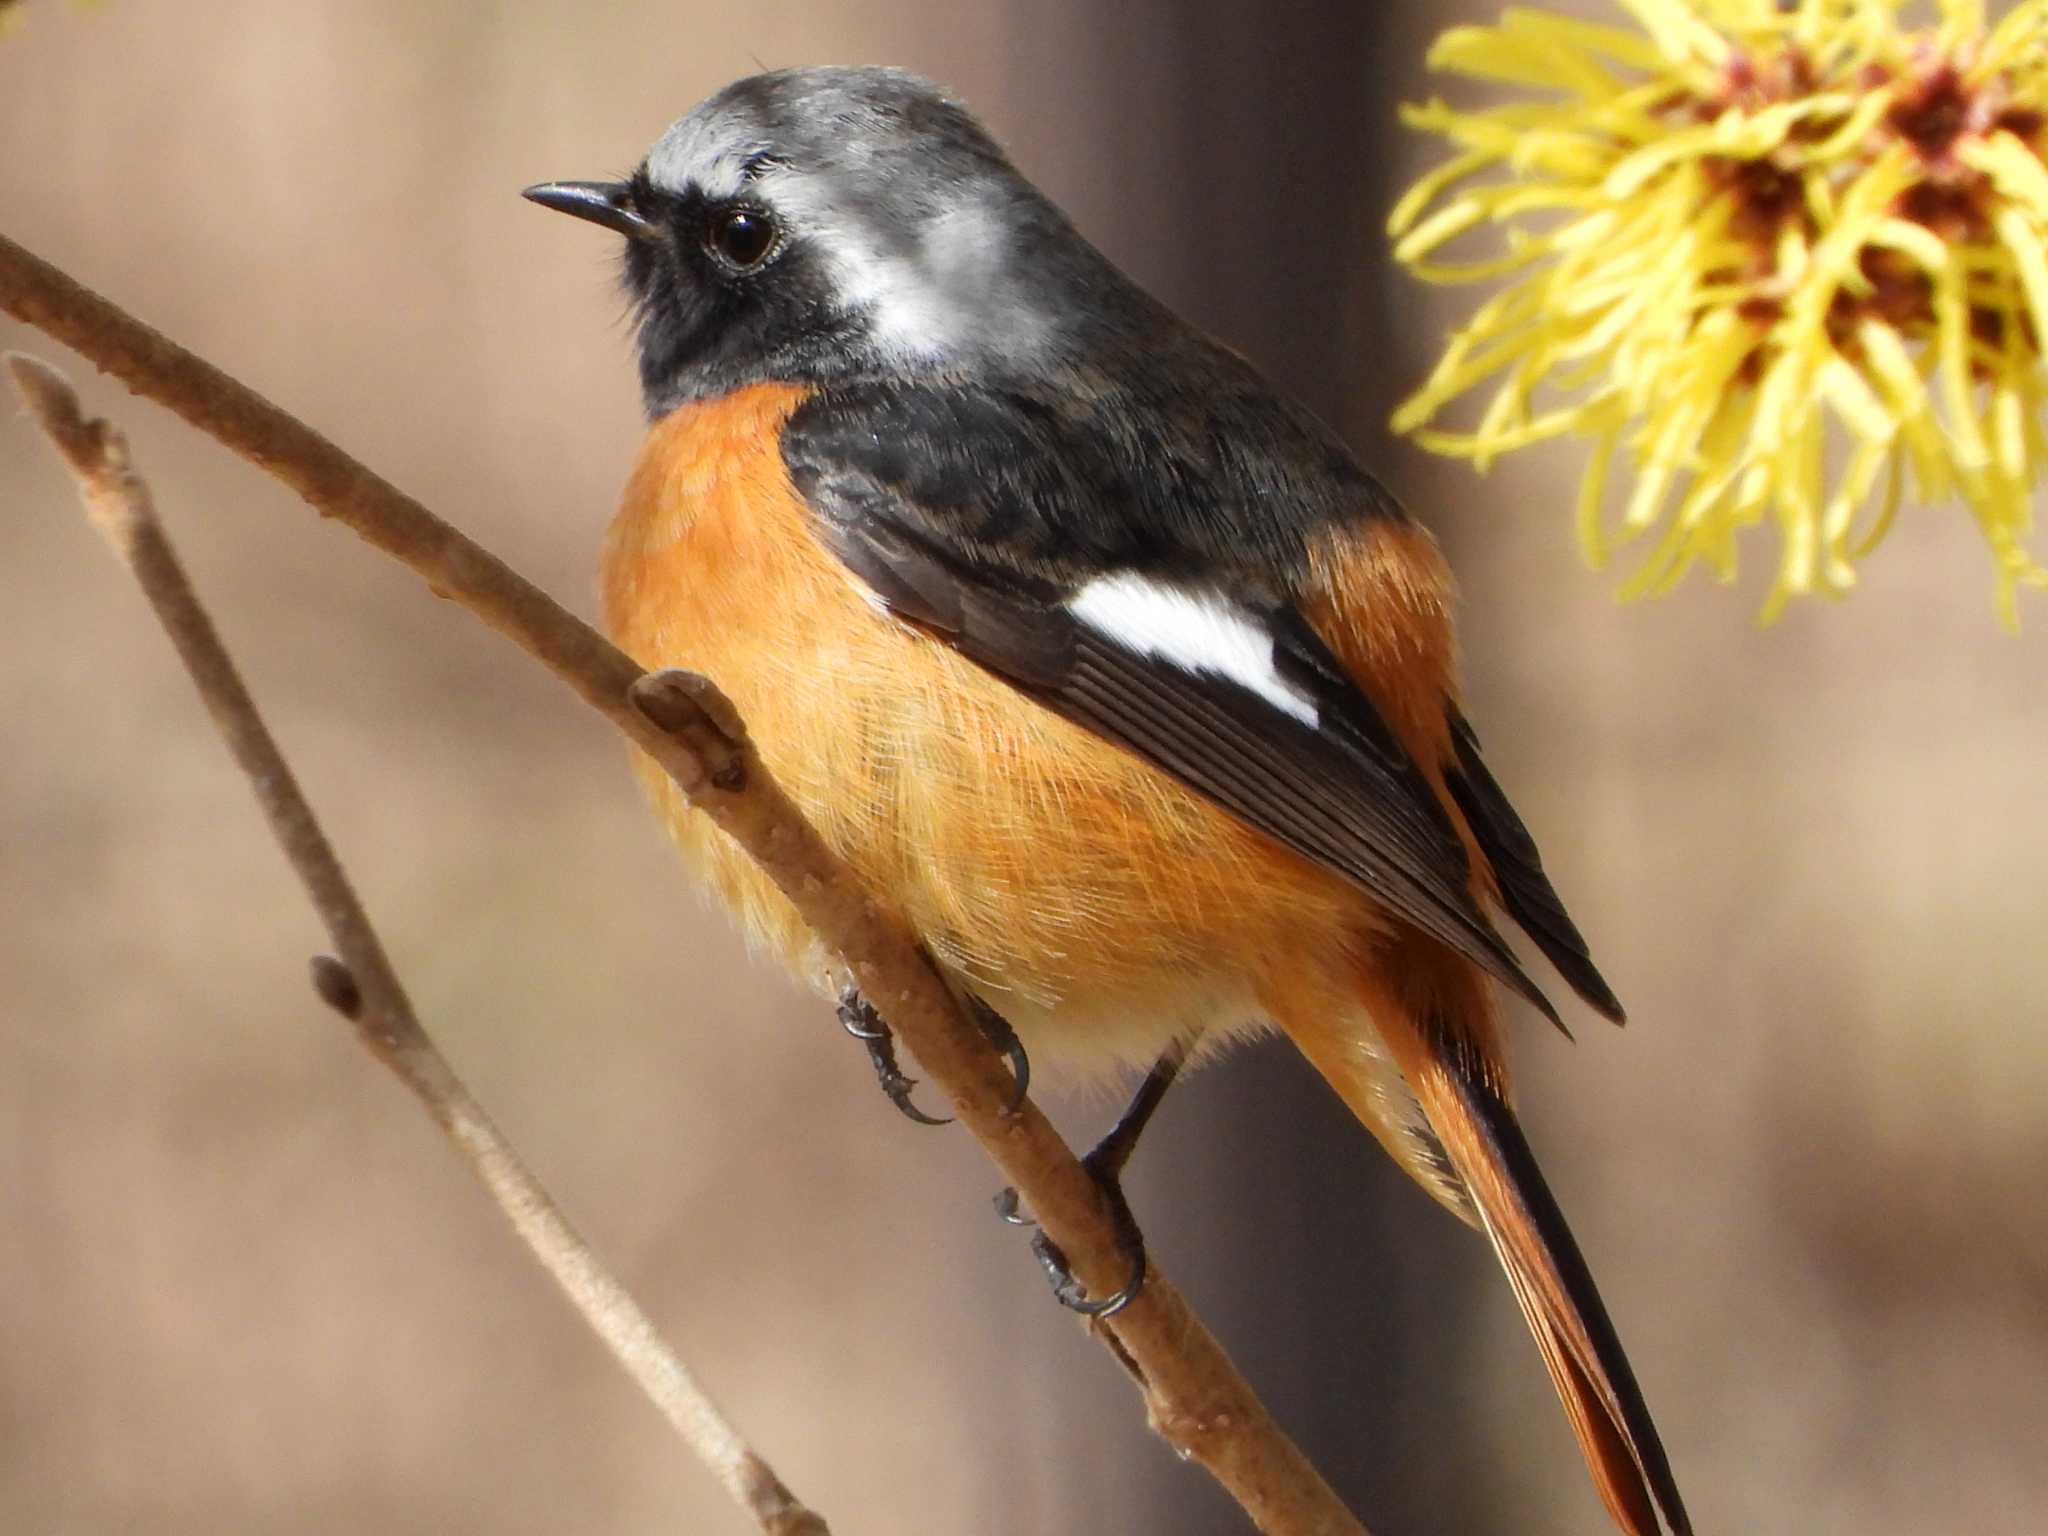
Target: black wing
x,y
1525,890
979,516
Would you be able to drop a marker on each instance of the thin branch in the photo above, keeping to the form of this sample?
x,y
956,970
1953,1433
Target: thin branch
x,y
1194,1395
362,986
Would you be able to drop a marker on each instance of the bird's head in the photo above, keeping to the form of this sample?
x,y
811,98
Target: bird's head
x,y
815,224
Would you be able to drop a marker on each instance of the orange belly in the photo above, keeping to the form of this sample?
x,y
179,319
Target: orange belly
x,y
1097,904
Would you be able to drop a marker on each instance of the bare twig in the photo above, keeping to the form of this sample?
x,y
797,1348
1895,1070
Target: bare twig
x,y
362,986
1195,1396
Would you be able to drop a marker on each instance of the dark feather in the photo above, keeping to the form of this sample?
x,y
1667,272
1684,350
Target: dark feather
x,y
1525,890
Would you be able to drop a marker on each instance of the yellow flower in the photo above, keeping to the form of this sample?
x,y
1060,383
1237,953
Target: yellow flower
x,y
1787,259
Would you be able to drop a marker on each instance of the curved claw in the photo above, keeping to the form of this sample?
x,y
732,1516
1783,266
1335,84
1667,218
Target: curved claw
x,y
850,1021
996,1029
1020,1072
1010,1209
898,1089
1067,1291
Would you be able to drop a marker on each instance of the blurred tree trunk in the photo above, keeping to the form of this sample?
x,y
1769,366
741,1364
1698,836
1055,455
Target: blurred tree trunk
x,y
1231,157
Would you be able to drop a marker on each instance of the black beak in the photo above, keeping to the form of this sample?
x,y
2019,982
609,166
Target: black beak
x,y
609,203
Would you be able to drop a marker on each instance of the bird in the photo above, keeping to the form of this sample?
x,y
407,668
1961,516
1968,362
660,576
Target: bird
x,y
1100,658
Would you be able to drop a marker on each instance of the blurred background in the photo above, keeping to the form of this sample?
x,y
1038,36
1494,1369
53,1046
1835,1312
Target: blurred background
x,y
244,1286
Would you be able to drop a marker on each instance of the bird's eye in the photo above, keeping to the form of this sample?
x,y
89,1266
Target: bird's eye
x,y
743,238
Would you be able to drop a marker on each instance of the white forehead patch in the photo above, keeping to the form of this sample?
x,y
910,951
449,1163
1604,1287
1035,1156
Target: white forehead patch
x,y
707,157
1200,632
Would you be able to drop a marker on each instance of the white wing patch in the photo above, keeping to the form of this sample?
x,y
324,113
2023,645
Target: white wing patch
x,y
1202,632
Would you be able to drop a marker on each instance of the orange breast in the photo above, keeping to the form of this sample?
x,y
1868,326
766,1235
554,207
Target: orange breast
x,y
1095,901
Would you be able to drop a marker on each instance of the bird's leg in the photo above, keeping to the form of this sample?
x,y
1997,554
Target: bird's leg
x,y
1105,1164
858,1017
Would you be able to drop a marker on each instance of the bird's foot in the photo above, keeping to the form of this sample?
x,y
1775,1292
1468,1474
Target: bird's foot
x,y
859,1019
1105,1167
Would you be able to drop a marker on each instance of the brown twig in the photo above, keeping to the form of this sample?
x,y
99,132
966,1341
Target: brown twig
x,y
1195,1396
362,986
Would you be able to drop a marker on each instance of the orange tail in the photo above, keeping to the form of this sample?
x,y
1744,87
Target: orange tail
x,y
1458,1136
1559,1300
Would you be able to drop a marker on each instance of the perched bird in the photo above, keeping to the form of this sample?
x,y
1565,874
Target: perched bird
x,y
1105,661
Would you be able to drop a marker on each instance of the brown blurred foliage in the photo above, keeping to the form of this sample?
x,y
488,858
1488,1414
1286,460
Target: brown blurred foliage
x,y
242,1285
